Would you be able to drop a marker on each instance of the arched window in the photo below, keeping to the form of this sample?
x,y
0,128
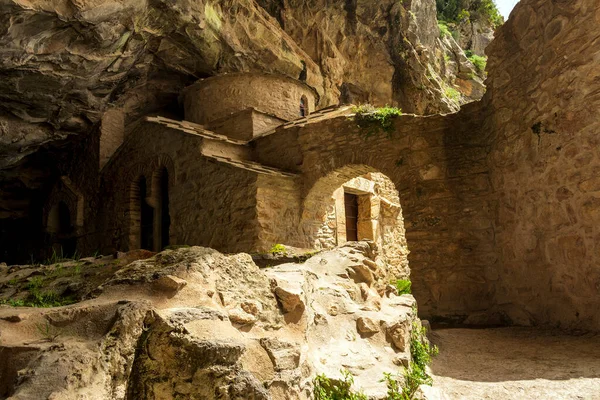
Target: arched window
x,y
303,106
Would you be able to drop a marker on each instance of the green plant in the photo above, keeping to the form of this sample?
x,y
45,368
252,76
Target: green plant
x,y
13,302
55,257
480,62
394,387
444,30
332,389
47,298
35,283
463,15
48,332
452,93
403,286
373,120
421,353
278,249
404,387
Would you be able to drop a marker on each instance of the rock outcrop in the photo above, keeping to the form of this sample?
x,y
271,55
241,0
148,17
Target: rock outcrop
x,y
231,331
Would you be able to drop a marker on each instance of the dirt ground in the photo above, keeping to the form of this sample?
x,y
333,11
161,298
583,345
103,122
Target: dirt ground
x,y
516,363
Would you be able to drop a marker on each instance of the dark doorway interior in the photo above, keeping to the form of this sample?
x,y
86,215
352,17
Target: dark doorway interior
x,y
351,207
68,242
165,222
147,218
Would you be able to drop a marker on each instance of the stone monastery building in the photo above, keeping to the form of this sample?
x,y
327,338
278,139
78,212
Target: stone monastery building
x,y
202,181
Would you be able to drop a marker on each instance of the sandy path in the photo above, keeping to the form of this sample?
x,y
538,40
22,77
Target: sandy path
x,y
516,363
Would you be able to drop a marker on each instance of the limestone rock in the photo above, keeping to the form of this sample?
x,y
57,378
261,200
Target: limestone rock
x,y
239,316
284,355
289,299
247,342
399,333
170,284
366,325
287,287
361,273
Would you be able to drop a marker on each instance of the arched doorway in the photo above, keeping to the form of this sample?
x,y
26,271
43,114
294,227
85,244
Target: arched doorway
x,y
150,221
146,217
161,216
357,202
62,230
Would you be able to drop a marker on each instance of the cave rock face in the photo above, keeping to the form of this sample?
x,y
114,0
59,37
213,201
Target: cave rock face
x,y
65,62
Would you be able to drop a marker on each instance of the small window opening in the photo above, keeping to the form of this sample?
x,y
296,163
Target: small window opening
x,y
303,106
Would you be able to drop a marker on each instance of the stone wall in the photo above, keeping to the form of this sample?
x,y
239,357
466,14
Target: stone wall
x,y
543,101
438,166
112,133
278,206
220,96
211,204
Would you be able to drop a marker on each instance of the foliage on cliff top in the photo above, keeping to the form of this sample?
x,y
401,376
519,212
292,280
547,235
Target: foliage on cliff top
x,y
373,120
457,10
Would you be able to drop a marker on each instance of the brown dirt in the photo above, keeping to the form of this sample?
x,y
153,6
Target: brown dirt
x,y
516,363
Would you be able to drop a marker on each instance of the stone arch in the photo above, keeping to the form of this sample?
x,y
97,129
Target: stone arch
x,y
63,216
323,219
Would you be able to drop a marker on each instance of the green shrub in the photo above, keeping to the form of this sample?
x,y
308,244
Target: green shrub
x,y
478,61
444,30
374,120
452,93
330,389
403,286
13,302
278,249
